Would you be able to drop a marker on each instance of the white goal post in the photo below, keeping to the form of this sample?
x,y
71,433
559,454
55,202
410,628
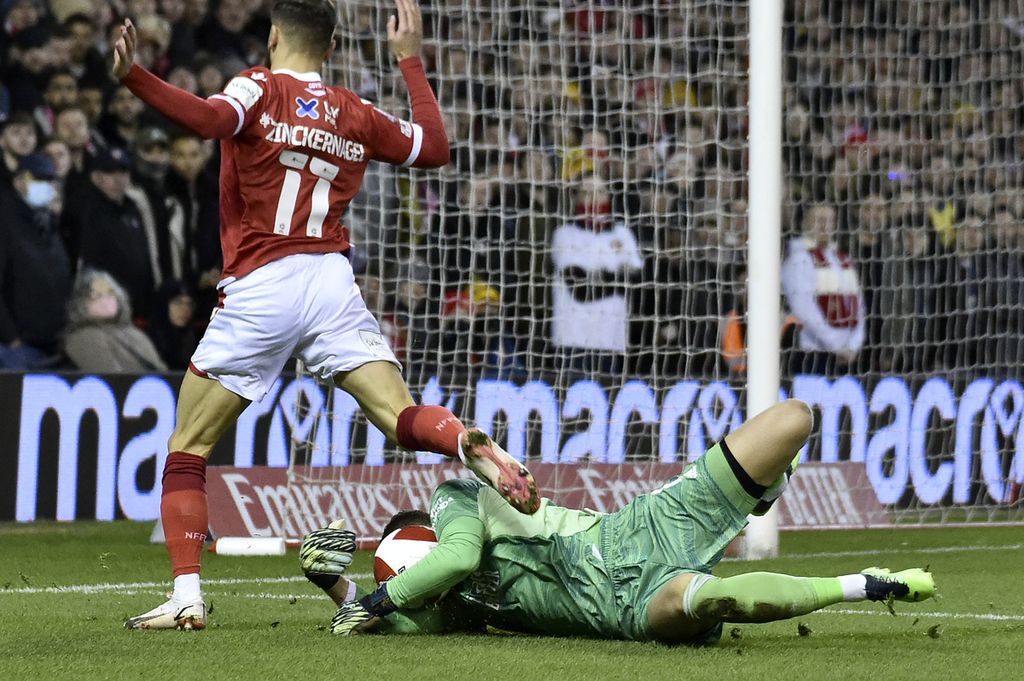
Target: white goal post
x,y
764,239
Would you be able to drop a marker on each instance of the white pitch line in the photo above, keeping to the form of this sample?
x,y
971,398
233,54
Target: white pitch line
x,y
914,613
137,586
889,550
99,588
215,596
264,595
142,588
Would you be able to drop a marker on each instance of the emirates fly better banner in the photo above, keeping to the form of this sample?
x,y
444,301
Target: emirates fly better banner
x,y
258,502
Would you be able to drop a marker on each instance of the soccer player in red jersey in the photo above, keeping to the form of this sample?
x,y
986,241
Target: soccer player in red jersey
x,y
293,154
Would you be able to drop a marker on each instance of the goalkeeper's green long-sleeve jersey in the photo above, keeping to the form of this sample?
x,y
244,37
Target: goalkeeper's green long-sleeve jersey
x,y
485,548
569,572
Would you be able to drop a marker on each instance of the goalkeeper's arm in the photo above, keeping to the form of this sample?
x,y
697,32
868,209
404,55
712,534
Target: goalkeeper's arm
x,y
456,556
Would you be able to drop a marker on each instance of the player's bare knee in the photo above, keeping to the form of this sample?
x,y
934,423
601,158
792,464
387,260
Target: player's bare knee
x,y
796,417
674,597
666,612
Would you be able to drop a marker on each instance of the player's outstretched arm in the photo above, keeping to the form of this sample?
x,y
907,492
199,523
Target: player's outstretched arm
x,y
210,119
405,36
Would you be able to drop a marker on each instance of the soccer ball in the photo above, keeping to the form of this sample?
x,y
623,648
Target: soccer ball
x,y
404,547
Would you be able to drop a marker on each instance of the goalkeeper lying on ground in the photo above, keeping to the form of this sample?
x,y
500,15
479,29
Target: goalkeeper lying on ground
x,y
641,573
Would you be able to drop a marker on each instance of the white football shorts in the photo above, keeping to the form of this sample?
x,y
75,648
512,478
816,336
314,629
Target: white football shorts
x,y
306,306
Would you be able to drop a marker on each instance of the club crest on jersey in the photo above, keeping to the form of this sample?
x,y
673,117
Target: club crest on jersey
x,y
307,108
331,113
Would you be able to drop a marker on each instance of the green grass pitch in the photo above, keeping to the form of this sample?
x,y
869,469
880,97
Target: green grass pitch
x,y
267,623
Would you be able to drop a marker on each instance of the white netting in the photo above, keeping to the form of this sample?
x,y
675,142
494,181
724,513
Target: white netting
x,y
904,118
573,281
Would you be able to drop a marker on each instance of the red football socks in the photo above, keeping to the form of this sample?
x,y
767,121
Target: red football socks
x,y
430,428
183,510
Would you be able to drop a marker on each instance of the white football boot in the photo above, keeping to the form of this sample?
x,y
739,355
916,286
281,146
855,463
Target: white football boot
x,y
171,615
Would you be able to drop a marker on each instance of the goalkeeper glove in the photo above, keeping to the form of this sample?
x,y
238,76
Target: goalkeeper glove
x,y
349,616
326,554
352,614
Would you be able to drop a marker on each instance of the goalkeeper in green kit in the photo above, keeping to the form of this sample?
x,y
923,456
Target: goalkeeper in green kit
x,y
642,573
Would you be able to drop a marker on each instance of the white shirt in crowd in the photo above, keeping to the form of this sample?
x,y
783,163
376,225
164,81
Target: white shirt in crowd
x,y
823,292
601,323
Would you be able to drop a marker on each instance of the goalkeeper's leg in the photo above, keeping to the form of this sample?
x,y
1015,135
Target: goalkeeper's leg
x,y
381,392
691,604
762,450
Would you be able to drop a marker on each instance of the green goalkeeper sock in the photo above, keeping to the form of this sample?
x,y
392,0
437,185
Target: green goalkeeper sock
x,y
762,596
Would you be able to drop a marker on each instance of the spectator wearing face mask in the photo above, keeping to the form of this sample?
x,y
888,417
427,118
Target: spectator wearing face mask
x,y
35,274
100,337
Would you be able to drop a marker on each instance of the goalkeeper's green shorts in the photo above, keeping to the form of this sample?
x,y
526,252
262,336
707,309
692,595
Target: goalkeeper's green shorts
x,y
685,526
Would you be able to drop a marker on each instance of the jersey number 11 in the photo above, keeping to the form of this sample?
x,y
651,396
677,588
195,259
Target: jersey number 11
x,y
325,173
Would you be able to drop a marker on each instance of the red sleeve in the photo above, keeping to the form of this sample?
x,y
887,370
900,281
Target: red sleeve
x,y
208,118
420,144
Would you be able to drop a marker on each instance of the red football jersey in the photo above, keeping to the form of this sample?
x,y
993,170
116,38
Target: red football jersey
x,y
297,158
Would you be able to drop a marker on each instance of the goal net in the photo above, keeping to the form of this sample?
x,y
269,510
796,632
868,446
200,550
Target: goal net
x,y
573,281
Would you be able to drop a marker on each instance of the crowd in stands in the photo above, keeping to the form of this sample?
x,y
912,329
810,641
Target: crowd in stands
x,y
594,217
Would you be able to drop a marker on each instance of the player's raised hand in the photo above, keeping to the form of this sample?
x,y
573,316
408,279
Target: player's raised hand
x,y
405,29
124,50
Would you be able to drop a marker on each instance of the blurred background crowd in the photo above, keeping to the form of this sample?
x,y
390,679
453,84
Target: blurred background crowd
x,y
593,220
